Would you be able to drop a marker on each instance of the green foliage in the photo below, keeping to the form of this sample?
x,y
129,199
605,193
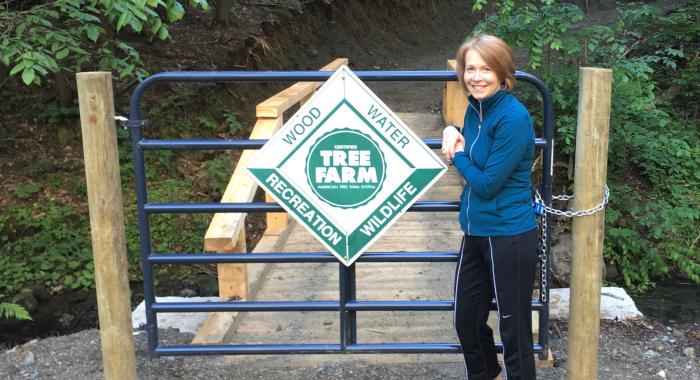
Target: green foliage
x,y
46,243
70,35
13,311
27,190
55,116
231,120
220,170
654,158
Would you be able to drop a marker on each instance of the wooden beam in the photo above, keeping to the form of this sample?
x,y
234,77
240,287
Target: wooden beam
x,y
233,277
107,223
276,221
588,231
283,100
454,100
224,229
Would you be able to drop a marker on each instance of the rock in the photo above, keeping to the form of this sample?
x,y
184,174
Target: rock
x,y
611,272
665,338
66,319
187,293
561,257
615,304
41,293
76,296
661,374
28,360
26,299
677,333
651,354
185,322
689,352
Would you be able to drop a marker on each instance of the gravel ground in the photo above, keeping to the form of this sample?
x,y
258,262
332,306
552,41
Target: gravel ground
x,y
640,349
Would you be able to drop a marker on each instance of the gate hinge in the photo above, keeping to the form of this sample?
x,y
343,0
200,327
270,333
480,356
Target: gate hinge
x,y
126,123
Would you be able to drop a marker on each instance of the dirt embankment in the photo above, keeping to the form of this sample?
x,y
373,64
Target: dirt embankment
x,y
306,35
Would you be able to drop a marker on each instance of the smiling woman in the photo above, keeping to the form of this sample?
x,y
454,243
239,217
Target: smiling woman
x,y
494,154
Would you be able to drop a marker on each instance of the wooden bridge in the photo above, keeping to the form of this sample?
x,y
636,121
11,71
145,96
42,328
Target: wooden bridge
x,y
413,232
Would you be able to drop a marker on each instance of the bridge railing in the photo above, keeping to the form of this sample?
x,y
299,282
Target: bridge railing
x,y
226,232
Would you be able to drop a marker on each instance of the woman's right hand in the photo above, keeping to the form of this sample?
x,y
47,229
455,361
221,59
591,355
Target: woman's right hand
x,y
452,142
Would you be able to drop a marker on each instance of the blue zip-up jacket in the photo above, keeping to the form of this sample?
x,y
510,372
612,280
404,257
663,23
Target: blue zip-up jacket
x,y
496,163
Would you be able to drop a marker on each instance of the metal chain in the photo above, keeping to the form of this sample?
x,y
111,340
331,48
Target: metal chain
x,y
571,214
544,262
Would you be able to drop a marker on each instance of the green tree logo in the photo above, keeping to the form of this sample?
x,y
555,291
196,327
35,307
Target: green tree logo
x,y
345,168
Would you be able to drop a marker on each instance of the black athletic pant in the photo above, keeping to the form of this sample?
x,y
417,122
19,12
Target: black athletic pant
x,y
506,264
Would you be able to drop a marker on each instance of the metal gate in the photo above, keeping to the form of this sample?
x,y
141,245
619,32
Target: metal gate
x,y
347,306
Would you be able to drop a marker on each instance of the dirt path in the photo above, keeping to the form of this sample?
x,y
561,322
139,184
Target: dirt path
x,y
628,350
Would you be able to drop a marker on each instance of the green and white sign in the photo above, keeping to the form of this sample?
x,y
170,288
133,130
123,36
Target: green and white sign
x,y
345,166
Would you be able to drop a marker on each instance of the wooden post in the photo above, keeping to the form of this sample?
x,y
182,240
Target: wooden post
x,y
233,278
454,100
107,223
588,231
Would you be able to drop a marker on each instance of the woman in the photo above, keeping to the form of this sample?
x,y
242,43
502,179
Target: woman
x,y
494,154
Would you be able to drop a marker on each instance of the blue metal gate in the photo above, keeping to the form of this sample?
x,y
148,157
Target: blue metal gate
x,y
347,306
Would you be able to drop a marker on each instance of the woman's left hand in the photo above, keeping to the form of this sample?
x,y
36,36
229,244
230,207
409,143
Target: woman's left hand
x,y
452,142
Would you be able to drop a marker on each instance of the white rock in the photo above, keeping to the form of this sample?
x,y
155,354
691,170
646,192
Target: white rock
x,y
661,374
28,359
185,322
689,352
615,304
650,354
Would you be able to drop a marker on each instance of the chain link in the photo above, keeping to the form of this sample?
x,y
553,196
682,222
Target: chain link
x,y
544,261
571,214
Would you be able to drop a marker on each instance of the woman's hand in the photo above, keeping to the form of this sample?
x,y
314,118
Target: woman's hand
x,y
452,142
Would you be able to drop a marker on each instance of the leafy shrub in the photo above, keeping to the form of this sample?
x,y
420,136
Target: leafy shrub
x,y
67,35
654,157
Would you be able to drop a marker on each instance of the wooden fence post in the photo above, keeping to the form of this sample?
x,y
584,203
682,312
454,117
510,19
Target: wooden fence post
x,y
588,231
107,223
454,100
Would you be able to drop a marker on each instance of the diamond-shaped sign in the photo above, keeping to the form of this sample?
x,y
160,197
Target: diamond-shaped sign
x,y
345,166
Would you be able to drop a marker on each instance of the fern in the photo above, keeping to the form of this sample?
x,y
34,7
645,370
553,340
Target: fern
x,y
13,311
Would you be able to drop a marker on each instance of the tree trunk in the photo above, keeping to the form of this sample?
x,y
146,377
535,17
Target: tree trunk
x,y
64,93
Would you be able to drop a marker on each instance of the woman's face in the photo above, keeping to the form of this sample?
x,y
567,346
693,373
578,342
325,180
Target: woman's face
x,y
480,79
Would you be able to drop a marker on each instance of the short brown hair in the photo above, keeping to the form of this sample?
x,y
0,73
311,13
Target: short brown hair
x,y
495,52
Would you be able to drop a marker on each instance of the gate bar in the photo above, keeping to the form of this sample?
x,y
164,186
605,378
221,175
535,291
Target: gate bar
x,y
428,305
218,144
284,349
298,257
206,208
